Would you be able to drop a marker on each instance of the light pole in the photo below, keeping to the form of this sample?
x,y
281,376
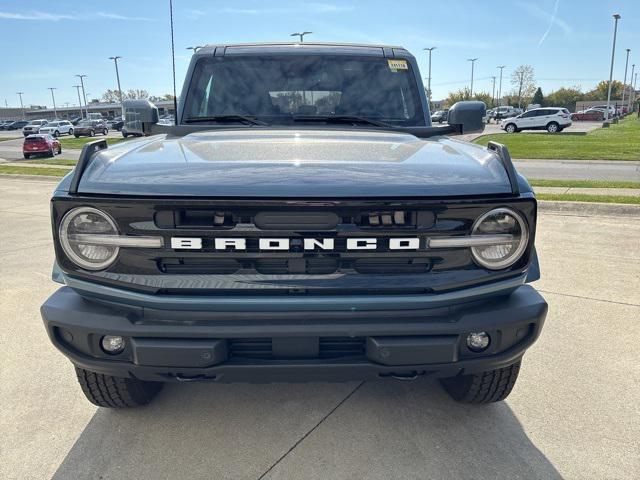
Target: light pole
x,y
21,105
493,91
301,35
77,87
520,89
624,83
633,90
430,49
635,84
613,53
86,109
55,110
501,67
473,61
115,60
195,49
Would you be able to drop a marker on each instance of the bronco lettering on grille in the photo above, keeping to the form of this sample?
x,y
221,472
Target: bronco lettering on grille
x,y
307,244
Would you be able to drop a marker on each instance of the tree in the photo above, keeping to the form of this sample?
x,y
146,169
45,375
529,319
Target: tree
x,y
602,89
135,94
111,96
522,79
484,97
538,98
161,98
565,97
457,96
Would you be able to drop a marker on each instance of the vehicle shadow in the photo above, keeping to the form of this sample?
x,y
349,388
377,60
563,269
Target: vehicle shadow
x,y
382,430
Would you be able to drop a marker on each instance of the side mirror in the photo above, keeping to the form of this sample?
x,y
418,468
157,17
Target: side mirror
x,y
139,115
468,116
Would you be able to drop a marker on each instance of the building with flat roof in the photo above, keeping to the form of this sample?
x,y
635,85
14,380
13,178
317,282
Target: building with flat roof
x,y
107,110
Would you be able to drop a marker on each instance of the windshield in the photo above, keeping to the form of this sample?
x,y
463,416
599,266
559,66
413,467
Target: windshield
x,y
85,123
277,89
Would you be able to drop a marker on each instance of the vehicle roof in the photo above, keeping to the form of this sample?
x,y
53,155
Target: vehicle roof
x,y
335,47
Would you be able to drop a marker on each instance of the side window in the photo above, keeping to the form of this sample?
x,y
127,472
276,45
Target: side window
x,y
543,113
530,114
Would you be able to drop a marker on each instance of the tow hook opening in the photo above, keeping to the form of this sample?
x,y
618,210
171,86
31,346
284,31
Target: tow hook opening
x,y
195,378
403,376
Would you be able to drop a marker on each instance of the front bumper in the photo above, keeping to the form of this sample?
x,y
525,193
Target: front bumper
x,y
290,345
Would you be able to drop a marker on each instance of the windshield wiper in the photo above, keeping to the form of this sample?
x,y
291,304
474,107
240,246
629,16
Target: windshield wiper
x,y
227,118
340,119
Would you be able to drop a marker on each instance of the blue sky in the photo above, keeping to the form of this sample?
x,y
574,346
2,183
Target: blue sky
x,y
46,43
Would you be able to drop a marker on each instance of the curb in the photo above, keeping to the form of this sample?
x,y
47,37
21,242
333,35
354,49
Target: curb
x,y
590,208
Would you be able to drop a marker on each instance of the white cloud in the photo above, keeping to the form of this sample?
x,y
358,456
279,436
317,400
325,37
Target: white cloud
x,y
117,16
55,17
36,16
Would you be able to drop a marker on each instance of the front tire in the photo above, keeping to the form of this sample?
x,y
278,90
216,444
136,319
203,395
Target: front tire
x,y
56,134
553,127
116,392
105,132
484,387
92,133
511,128
70,131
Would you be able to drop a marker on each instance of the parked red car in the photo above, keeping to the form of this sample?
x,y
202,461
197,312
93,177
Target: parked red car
x,y
36,144
590,115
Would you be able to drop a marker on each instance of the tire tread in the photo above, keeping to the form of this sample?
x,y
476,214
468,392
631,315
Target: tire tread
x,y
485,387
115,392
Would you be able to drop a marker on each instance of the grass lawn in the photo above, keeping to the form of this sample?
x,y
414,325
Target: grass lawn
x,y
578,197
583,184
53,172
618,142
78,143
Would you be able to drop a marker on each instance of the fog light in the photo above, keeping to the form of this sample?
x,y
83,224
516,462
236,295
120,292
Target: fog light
x,y
478,341
112,344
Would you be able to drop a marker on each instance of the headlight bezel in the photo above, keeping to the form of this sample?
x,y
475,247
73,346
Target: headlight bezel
x,y
66,244
517,253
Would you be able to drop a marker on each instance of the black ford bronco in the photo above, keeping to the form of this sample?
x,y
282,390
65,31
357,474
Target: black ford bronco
x,y
301,221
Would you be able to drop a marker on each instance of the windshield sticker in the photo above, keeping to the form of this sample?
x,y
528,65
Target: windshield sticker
x,y
396,65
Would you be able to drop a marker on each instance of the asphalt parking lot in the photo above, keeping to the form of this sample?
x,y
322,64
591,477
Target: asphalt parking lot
x,y
573,414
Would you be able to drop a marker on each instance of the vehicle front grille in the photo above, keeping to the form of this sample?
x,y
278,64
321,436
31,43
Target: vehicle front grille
x,y
295,269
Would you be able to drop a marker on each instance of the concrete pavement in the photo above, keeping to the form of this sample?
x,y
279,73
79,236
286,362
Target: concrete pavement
x,y
573,413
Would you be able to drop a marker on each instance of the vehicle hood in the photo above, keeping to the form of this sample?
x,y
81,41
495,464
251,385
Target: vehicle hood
x,y
252,162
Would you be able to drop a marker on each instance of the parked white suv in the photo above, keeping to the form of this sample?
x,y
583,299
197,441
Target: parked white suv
x,y
57,127
33,127
551,119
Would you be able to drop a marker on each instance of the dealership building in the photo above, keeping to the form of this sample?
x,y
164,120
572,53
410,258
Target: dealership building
x,y
107,110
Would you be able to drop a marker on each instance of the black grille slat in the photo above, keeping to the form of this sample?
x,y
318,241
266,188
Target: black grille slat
x,y
329,347
392,266
250,348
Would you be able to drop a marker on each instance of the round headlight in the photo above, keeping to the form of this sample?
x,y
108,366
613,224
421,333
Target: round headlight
x,y
77,229
511,237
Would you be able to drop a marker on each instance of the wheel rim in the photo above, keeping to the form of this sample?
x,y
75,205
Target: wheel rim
x,y
553,128
510,129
